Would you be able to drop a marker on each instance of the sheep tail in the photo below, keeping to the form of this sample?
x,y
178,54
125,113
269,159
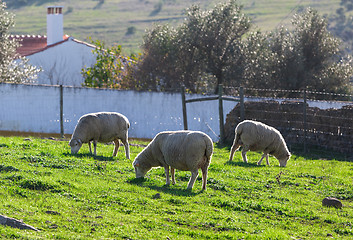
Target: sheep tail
x,y
209,150
238,132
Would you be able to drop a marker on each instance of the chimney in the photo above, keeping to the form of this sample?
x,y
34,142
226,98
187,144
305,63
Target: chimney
x,y
55,26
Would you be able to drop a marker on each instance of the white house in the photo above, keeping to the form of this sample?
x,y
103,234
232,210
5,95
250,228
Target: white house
x,y
61,57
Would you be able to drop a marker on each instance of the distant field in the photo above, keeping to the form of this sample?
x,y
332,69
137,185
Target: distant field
x,y
110,21
86,197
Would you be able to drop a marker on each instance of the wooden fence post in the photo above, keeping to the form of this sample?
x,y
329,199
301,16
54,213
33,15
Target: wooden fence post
x,y
185,119
220,110
304,120
61,112
242,109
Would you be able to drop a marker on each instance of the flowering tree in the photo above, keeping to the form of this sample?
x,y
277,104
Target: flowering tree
x,y
12,69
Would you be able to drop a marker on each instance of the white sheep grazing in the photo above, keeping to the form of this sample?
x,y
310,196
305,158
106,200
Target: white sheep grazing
x,y
182,150
101,127
257,136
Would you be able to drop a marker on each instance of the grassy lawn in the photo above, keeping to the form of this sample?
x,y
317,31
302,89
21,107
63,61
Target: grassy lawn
x,y
85,197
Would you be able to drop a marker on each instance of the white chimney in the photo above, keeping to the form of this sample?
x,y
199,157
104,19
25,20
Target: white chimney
x,y
55,26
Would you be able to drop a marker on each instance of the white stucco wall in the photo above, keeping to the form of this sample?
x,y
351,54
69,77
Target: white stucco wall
x,y
62,63
148,112
29,108
35,108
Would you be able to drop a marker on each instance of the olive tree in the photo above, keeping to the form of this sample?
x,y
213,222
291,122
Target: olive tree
x,y
310,56
307,56
198,52
216,47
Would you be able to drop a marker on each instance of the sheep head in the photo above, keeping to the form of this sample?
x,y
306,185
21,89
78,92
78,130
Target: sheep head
x,y
141,168
75,145
283,159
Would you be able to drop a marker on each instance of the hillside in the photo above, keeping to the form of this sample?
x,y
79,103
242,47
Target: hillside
x,y
124,22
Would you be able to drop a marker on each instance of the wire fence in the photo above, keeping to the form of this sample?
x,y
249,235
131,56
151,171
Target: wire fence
x,y
304,126
289,94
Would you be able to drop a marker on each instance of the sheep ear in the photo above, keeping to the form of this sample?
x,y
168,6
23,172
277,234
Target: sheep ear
x,y
79,141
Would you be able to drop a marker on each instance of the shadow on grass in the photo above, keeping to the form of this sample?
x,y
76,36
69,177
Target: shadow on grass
x,y
243,164
312,153
145,182
89,155
320,153
223,145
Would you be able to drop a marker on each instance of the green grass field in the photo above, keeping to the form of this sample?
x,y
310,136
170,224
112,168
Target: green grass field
x,y
110,21
85,197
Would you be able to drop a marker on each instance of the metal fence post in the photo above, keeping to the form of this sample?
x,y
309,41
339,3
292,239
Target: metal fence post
x,y
185,118
61,112
220,110
304,120
242,109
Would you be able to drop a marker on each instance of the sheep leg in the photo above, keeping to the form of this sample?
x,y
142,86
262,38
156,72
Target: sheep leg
x,y
127,147
95,147
166,169
243,153
233,149
89,145
204,177
263,156
268,163
116,147
172,171
193,177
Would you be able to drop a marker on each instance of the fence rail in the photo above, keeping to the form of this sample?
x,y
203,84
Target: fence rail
x,y
220,99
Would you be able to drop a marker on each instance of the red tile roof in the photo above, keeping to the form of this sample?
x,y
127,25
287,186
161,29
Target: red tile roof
x,y
30,44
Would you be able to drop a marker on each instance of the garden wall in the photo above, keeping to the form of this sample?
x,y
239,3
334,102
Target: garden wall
x,y
36,109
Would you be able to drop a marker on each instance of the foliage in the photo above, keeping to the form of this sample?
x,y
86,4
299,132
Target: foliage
x,y
130,30
309,56
218,36
255,63
108,70
215,47
97,197
10,70
154,71
196,52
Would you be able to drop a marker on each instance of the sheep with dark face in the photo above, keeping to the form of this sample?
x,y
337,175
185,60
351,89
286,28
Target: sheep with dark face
x,y
257,136
101,127
183,150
